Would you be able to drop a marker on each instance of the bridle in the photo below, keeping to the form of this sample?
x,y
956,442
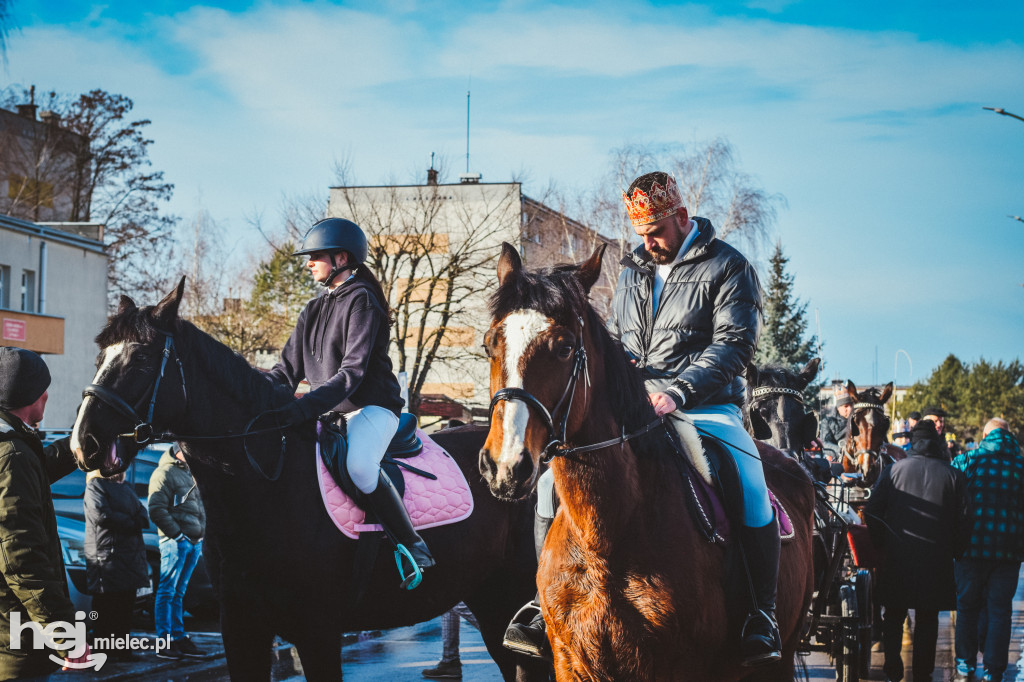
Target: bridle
x,y
142,433
848,452
557,446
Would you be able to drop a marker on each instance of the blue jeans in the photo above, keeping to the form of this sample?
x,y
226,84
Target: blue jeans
x,y
177,561
983,585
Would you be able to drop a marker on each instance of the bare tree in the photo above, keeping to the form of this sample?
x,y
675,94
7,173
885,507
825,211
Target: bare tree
x,y
434,248
711,184
106,180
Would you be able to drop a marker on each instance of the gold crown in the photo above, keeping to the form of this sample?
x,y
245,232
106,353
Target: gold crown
x,y
646,208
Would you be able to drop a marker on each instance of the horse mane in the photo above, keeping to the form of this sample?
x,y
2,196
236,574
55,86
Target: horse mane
x,y
775,376
556,292
870,395
224,367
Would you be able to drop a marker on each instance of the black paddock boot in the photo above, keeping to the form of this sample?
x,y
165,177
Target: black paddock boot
x,y
531,638
760,635
387,506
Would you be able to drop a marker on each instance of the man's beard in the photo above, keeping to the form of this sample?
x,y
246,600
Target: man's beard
x,y
662,257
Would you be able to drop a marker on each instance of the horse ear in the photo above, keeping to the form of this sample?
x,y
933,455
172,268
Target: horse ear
x,y
808,373
126,305
753,376
509,263
851,389
590,269
165,314
886,393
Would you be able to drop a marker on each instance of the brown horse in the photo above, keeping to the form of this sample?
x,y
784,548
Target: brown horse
x,y
629,587
866,451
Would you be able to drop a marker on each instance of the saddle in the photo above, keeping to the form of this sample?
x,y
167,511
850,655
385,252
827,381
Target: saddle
x,y
432,485
715,492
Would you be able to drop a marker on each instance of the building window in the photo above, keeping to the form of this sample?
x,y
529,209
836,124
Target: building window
x,y
5,286
28,291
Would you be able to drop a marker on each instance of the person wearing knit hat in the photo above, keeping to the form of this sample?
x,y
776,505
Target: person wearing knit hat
x,y
836,427
33,581
24,378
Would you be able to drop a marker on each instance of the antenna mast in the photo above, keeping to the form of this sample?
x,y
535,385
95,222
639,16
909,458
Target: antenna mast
x,y
467,131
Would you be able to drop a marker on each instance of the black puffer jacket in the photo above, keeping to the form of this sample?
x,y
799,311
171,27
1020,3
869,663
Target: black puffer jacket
x,y
708,321
917,512
115,554
340,345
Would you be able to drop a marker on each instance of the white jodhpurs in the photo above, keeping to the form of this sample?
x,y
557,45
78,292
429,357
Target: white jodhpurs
x,y
370,430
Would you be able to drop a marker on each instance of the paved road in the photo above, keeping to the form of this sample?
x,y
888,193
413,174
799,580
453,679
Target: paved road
x,y
399,655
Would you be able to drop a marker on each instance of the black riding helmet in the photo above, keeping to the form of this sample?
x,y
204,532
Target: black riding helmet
x,y
331,235
335,234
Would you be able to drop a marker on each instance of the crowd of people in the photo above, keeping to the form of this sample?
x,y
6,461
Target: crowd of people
x,y
951,524
949,520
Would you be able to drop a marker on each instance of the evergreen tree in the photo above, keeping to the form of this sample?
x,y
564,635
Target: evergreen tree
x,y
785,321
281,288
971,395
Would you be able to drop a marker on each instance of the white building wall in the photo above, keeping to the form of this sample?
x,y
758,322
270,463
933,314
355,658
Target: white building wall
x,y
73,286
493,209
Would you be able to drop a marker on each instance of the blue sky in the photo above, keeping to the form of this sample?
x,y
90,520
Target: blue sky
x,y
866,117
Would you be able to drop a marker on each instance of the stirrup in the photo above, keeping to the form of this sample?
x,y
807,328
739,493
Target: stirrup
x,y
516,638
411,580
771,655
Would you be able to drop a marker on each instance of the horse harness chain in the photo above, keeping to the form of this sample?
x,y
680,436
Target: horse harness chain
x,y
557,446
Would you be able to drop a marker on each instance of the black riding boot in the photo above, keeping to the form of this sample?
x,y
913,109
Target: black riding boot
x,y
761,642
387,506
531,638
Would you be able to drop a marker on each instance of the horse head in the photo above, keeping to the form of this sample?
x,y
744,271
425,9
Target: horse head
x,y
775,405
868,428
138,383
538,364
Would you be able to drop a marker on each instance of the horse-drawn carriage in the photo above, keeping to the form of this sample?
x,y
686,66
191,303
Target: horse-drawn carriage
x,y
841,615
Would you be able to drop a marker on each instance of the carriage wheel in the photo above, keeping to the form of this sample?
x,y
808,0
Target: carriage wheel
x,y
848,658
865,613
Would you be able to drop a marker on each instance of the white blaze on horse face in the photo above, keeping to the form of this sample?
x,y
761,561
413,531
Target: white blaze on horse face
x,y
521,328
110,353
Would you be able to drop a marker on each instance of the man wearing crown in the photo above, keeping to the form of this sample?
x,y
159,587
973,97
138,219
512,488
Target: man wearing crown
x,y
687,310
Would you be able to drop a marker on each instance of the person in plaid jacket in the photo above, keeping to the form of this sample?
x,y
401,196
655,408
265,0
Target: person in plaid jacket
x,y
986,576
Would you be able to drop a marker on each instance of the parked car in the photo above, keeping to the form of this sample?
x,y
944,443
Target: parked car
x,y
68,494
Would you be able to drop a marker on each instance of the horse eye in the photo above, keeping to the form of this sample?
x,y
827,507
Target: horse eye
x,y
565,352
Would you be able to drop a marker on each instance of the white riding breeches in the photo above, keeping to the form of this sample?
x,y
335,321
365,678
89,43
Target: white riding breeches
x,y
370,430
725,422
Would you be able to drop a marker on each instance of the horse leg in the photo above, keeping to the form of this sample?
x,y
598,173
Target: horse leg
x,y
320,654
248,642
494,608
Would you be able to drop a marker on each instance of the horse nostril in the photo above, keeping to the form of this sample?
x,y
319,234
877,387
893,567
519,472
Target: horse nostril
x,y
486,464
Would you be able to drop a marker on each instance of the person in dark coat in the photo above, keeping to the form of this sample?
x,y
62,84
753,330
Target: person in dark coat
x,y
33,583
917,514
115,557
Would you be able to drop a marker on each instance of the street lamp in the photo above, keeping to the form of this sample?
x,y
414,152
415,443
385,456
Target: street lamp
x,y
1004,112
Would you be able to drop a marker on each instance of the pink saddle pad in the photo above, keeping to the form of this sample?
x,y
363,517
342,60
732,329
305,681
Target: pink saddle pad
x,y
430,503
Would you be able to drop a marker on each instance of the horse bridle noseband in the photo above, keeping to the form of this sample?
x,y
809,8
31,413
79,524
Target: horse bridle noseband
x,y
764,392
579,365
557,446
142,433
860,407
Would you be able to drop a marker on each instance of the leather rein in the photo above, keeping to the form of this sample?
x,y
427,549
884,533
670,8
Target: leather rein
x,y
143,432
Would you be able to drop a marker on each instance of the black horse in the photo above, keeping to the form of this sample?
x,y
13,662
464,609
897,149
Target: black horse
x,y
278,564
775,406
